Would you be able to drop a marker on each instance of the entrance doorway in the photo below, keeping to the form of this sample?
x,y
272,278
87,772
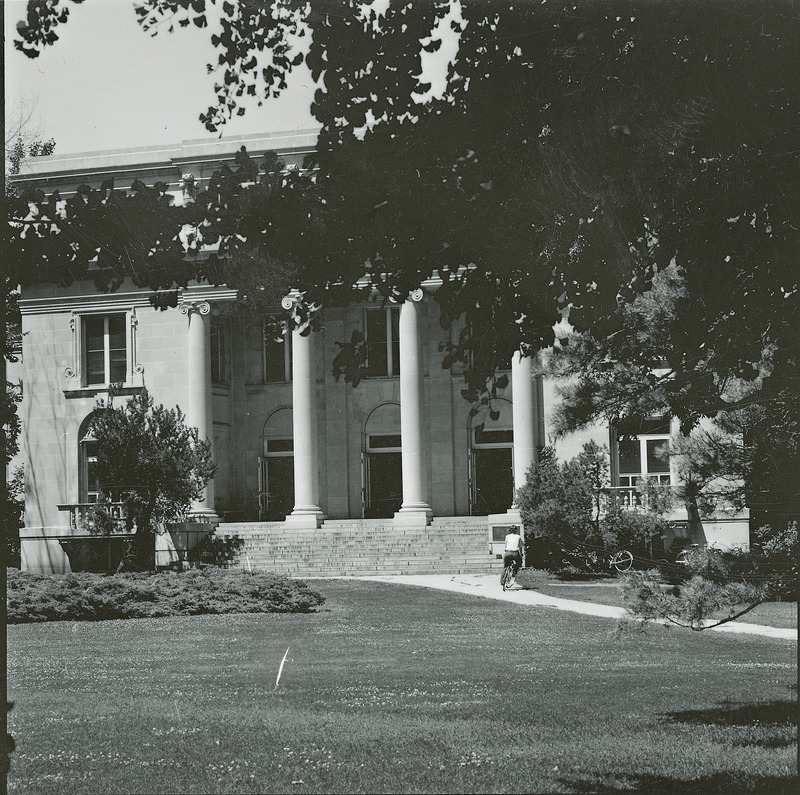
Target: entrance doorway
x,y
492,461
383,463
383,476
276,468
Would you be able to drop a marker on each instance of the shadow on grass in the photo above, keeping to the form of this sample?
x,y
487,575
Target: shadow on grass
x,y
776,713
719,782
771,725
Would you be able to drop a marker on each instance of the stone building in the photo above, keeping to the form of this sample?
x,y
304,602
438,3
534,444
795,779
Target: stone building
x,y
300,455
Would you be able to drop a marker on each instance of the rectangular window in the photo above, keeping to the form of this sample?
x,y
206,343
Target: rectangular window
x,y
105,358
90,472
219,358
646,455
383,341
277,361
384,441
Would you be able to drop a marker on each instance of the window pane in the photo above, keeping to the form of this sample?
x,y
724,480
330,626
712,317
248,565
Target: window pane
x,y
116,332
377,360
95,367
395,316
95,333
629,460
119,367
217,355
482,436
660,425
92,482
382,442
275,365
657,455
280,445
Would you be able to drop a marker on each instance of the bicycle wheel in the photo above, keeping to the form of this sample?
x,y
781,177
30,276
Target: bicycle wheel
x,y
505,578
622,560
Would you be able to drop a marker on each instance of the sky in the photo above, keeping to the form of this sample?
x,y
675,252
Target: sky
x,y
106,84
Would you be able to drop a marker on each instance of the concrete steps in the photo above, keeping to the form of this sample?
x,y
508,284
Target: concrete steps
x,y
353,547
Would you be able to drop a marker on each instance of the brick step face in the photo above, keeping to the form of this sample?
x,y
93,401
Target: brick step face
x,y
364,547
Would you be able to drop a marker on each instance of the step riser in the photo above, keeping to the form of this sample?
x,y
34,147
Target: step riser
x,y
347,547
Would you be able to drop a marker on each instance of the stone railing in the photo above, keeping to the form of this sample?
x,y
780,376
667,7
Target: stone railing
x,y
626,496
633,498
83,519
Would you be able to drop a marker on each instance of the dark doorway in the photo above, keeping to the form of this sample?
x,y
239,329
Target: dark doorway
x,y
493,486
276,483
384,485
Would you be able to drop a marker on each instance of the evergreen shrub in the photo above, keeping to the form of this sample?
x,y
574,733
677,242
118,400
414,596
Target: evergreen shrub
x,y
206,590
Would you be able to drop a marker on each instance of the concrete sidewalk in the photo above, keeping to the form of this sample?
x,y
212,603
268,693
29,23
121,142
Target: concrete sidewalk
x,y
488,586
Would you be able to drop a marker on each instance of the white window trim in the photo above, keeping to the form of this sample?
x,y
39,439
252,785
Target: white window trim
x,y
643,439
76,374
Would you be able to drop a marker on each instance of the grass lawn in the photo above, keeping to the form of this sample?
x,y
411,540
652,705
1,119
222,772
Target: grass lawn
x,y
393,688
782,615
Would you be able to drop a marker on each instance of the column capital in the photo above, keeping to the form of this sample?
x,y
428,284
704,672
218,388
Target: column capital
x,y
416,295
288,302
198,307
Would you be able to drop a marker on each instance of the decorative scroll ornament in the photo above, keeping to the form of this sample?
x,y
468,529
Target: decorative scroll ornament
x,y
416,295
201,307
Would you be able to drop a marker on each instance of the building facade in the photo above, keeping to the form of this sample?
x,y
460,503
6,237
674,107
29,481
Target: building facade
x,y
292,442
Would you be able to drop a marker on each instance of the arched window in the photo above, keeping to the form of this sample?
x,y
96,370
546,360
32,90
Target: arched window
x,y
88,484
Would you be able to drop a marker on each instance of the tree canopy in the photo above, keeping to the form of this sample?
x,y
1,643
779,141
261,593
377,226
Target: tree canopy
x,y
577,150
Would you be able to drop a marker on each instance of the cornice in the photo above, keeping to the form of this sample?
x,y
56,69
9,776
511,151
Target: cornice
x,y
118,302
84,303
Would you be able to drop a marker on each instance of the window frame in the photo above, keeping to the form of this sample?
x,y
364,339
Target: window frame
x,y
265,358
75,372
219,339
392,346
107,350
658,478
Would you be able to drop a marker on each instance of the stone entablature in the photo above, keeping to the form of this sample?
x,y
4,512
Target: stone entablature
x,y
200,158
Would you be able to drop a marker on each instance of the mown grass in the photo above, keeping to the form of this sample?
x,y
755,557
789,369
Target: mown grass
x,y
393,688
782,615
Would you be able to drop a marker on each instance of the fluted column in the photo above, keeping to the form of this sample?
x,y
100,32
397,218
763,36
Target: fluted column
x,y
304,425
414,508
525,417
198,389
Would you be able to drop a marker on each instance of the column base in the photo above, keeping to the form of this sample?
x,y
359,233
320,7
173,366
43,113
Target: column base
x,y
203,516
306,517
419,515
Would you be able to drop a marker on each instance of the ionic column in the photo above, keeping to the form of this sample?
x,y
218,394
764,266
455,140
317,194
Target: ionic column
x,y
415,508
524,415
304,426
198,389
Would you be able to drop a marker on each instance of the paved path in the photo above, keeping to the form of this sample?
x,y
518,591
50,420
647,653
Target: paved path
x,y
488,586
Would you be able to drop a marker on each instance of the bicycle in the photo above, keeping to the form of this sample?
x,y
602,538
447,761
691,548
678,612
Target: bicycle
x,y
507,578
621,560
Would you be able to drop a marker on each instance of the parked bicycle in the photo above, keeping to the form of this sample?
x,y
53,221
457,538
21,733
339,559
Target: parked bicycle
x,y
619,560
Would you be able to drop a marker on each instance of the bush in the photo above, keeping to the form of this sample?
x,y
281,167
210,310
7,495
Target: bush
x,y
216,550
210,590
572,520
